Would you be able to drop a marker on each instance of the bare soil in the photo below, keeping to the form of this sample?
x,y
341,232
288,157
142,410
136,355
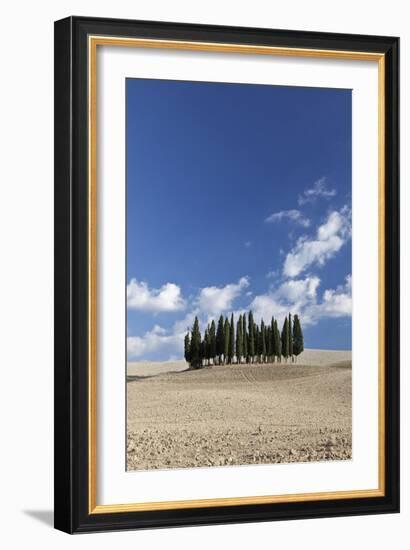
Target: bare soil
x,y
239,414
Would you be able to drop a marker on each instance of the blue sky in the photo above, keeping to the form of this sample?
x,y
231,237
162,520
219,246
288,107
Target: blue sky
x,y
238,196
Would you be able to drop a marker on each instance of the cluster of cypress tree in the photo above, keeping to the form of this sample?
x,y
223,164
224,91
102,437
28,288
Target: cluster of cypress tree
x,y
245,342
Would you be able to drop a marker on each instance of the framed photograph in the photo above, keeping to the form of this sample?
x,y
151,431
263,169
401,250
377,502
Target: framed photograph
x,y
226,274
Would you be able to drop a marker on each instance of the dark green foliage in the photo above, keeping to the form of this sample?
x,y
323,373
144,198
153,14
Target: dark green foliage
x,y
285,338
278,343
239,340
231,351
262,342
290,337
245,338
268,339
256,340
267,356
207,346
226,339
212,341
187,348
255,343
251,337
220,339
196,357
272,335
298,345
202,353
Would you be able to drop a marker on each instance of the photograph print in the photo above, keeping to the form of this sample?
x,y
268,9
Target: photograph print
x,y
239,262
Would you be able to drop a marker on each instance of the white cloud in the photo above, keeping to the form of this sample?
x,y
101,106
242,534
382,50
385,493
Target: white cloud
x,y
298,290
335,302
185,324
161,341
301,296
293,296
330,238
166,298
155,341
158,330
319,189
215,300
265,306
293,215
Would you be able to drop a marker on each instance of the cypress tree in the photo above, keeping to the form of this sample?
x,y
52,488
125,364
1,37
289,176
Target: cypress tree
x,y
290,337
196,345
272,338
298,344
203,347
245,339
212,342
239,340
187,348
278,343
256,341
268,339
226,340
267,344
285,338
251,337
202,353
207,347
262,342
231,353
220,339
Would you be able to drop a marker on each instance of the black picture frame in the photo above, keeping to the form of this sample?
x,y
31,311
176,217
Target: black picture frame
x,y
71,388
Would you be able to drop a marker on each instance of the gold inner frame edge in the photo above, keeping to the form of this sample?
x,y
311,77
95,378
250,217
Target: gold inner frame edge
x,y
93,42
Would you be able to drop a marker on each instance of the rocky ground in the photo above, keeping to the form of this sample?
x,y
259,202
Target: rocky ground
x,y
240,414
